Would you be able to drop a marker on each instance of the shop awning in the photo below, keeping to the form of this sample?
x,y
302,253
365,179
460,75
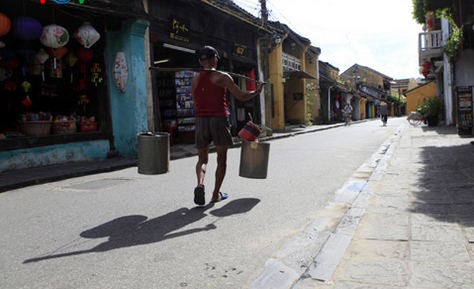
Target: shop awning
x,y
297,74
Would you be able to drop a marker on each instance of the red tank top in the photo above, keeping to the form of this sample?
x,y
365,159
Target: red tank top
x,y
209,99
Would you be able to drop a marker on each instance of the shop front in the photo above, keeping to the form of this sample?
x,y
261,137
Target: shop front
x,y
179,29
70,89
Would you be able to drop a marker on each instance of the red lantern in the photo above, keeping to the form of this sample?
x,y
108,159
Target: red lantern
x,y
5,24
426,69
57,53
84,54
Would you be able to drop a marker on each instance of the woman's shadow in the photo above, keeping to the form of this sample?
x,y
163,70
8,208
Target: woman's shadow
x,y
136,230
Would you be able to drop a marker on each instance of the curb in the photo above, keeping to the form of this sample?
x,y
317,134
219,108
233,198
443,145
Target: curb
x,y
327,238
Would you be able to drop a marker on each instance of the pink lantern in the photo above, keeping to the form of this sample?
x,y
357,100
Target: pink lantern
x,y
86,35
54,36
26,28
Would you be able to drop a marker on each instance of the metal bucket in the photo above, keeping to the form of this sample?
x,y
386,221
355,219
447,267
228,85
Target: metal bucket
x,y
153,153
254,160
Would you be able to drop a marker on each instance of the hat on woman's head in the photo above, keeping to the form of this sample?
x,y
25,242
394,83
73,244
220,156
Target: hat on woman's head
x,y
207,52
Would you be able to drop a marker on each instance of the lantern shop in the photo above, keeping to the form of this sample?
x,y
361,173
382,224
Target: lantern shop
x,y
60,83
178,29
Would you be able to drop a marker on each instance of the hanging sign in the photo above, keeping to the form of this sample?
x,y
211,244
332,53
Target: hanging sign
x,y
120,71
239,49
179,29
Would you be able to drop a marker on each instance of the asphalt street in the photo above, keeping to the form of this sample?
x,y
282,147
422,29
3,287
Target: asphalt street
x,y
125,230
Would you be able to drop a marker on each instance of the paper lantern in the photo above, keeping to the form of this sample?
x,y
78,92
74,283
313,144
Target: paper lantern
x,y
26,28
71,59
5,24
5,73
40,58
120,71
57,53
54,36
86,35
85,55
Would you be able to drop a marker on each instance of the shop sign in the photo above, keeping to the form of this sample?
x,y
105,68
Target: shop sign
x,y
240,50
179,29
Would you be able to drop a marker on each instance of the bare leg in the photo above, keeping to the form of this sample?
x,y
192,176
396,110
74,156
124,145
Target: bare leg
x,y
201,166
220,170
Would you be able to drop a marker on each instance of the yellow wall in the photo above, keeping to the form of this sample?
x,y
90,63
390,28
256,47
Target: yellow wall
x,y
276,76
311,68
362,104
295,108
417,95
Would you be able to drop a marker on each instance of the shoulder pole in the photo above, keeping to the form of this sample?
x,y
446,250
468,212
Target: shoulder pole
x,y
197,69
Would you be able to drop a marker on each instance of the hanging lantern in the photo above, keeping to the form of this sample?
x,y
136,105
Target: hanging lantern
x,y
86,35
26,28
425,68
120,71
5,73
5,24
57,53
54,36
85,55
71,59
40,58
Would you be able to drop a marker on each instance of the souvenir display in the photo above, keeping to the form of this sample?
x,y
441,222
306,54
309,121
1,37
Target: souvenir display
x,y
49,84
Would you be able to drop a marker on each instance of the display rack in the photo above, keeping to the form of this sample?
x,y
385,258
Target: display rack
x,y
184,107
166,95
465,112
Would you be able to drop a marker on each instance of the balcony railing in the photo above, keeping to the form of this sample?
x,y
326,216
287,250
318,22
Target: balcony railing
x,y
430,45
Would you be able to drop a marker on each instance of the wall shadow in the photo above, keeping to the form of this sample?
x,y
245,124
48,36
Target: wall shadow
x,y
133,230
446,184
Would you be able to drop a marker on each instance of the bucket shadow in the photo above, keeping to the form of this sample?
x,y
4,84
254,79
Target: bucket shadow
x,y
133,230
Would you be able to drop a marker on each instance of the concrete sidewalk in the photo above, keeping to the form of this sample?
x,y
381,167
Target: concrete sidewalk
x,y
414,220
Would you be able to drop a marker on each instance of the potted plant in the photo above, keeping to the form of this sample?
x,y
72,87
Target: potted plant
x,y
431,109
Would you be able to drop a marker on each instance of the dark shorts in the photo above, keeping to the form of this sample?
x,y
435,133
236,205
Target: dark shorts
x,y
212,129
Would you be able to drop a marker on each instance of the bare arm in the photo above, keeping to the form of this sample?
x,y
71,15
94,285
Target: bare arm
x,y
226,81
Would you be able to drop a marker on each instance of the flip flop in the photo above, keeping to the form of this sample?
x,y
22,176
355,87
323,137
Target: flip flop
x,y
222,196
199,196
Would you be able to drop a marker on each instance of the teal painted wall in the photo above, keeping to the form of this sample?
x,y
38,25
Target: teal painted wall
x,y
128,108
48,155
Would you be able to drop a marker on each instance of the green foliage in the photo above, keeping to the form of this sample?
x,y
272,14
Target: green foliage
x,y
419,11
430,107
395,99
454,43
310,91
